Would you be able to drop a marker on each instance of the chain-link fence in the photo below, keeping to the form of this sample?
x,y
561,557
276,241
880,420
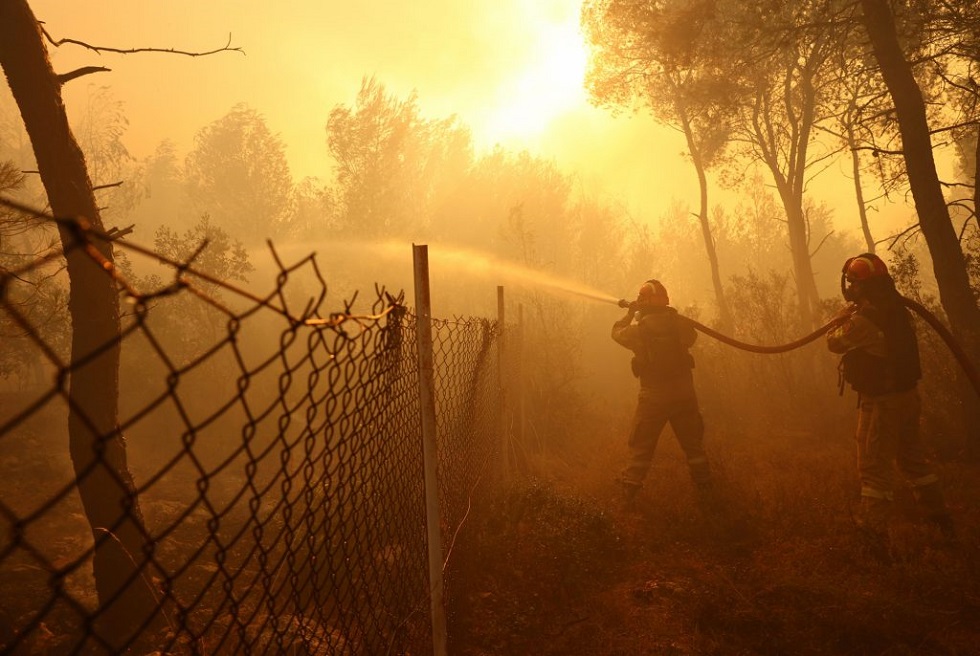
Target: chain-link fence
x,y
261,490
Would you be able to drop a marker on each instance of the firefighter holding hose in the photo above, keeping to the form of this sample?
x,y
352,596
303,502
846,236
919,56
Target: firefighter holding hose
x,y
660,340
880,361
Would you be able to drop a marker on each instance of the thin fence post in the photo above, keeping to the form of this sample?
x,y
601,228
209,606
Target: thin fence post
x,y
521,382
502,356
427,405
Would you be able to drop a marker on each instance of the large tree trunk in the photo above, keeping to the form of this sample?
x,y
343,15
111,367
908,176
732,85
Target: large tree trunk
x,y
948,262
97,448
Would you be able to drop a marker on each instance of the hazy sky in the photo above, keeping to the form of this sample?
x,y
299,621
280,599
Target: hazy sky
x,y
510,69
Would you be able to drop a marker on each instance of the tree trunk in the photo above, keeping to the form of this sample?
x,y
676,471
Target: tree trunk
x,y
789,177
976,175
724,313
799,246
858,190
948,262
97,448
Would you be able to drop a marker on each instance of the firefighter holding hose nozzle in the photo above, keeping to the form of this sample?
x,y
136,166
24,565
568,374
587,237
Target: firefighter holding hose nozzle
x,y
880,360
660,340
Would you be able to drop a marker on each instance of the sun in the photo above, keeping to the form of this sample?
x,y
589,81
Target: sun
x,y
550,84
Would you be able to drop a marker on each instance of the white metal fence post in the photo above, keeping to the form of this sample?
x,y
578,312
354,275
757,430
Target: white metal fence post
x,y
427,405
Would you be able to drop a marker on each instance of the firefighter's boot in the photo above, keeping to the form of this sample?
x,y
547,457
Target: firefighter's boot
x,y
875,515
708,499
629,489
930,497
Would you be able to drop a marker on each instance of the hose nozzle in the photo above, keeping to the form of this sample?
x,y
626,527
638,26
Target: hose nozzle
x,y
623,303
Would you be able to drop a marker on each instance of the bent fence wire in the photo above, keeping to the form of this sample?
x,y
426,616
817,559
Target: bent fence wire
x,y
275,461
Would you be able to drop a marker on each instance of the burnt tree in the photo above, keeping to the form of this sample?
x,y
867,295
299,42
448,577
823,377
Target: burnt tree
x,y
98,449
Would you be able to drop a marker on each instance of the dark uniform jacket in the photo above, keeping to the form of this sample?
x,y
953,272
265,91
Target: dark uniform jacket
x,y
660,339
879,348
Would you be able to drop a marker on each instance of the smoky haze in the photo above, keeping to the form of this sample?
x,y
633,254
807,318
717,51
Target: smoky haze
x,y
357,129
471,128
270,167
511,70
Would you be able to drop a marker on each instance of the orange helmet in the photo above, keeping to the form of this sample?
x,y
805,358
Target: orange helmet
x,y
864,266
652,294
858,271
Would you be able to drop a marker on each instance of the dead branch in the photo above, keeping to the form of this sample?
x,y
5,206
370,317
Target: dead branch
x,y
957,126
79,72
57,43
908,233
108,185
118,233
820,244
875,151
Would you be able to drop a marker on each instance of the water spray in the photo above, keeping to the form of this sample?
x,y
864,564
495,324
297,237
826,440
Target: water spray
x,y
481,264
485,266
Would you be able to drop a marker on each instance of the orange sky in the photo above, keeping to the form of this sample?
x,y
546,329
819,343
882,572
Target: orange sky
x,y
510,69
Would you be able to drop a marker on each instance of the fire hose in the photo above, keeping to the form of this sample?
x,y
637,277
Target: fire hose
x,y
954,346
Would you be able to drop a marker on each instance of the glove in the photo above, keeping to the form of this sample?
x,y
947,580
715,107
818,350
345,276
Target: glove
x,y
845,313
629,305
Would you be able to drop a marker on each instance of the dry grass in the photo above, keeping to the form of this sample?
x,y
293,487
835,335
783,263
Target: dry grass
x,y
563,568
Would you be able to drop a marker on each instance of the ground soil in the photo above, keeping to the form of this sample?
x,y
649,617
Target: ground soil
x,y
774,564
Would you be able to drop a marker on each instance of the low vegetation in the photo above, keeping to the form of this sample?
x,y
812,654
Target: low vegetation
x,y
777,568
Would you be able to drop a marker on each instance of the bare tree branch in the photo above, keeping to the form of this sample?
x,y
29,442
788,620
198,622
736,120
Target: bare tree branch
x,y
908,233
966,224
128,51
79,72
821,243
956,126
118,233
875,151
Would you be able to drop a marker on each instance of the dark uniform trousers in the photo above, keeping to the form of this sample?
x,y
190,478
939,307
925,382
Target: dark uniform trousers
x,y
676,403
888,435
